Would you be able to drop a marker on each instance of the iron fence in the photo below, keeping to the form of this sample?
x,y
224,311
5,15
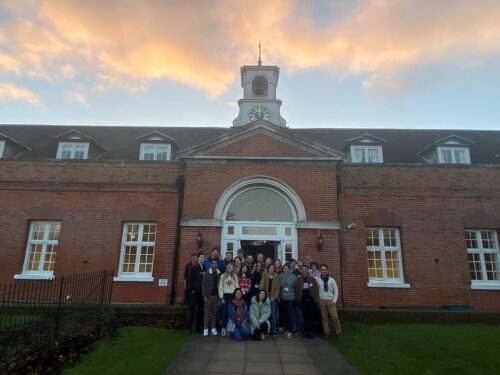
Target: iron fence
x,y
38,313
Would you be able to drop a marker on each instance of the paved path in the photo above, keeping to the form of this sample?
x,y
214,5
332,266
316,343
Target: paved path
x,y
279,355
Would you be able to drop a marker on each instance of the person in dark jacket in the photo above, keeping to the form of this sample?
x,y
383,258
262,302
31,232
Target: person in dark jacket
x,y
307,294
194,260
193,284
221,266
238,325
210,293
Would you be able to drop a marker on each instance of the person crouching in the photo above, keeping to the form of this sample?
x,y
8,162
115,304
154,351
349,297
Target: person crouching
x,y
238,324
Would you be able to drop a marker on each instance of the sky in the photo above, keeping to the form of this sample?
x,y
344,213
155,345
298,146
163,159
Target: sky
x,y
343,63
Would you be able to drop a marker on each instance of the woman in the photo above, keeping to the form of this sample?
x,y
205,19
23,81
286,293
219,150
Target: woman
x,y
278,266
245,283
227,285
238,324
268,261
287,300
271,284
256,277
314,271
260,312
237,265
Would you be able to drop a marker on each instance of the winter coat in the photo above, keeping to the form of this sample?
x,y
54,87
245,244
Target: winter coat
x,y
221,266
231,309
206,282
259,314
194,277
313,289
275,291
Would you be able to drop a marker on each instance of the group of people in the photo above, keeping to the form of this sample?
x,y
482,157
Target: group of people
x,y
247,297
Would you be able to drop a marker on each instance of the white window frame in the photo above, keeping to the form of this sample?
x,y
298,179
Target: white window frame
x,y
40,273
136,275
484,283
156,147
365,149
2,147
384,281
73,146
441,160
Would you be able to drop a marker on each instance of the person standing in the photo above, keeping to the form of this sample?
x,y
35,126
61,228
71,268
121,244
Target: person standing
x,y
237,265
314,270
271,284
260,312
215,255
245,283
238,325
227,285
256,278
287,299
328,295
193,285
306,290
250,264
228,258
194,260
210,293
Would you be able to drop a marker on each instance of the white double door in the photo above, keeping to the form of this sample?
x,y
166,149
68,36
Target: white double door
x,y
233,232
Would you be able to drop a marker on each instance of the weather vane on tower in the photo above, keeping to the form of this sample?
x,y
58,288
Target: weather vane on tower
x,y
260,60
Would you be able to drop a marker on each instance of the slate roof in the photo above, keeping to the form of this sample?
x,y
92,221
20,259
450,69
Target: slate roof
x,y
121,142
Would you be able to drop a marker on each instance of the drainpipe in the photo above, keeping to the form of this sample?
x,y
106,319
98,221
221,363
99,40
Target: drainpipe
x,y
339,188
179,184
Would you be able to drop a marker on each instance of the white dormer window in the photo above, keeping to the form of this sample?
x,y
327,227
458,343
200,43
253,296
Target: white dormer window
x,y
366,154
72,150
2,146
155,151
453,155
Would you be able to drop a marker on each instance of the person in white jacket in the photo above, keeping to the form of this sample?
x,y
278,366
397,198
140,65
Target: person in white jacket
x,y
328,295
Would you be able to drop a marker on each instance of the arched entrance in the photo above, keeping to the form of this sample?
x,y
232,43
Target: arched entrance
x,y
259,215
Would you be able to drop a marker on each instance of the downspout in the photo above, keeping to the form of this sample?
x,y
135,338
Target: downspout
x,y
179,184
339,188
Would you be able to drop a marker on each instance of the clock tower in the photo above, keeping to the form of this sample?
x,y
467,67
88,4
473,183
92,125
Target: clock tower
x,y
259,95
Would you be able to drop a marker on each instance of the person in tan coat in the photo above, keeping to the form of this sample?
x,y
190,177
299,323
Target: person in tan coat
x,y
270,282
307,293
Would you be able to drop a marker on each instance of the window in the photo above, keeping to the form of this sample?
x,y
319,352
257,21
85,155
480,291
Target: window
x,y
154,151
366,154
484,266
41,250
2,146
137,252
384,258
259,86
453,155
72,150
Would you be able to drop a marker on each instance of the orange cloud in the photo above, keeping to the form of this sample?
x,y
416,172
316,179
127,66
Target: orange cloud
x,y
12,92
202,43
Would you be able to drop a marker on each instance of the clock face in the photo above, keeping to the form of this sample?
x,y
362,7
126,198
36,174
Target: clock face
x,y
259,113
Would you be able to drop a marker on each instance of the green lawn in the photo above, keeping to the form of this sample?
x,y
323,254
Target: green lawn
x,y
390,349
136,350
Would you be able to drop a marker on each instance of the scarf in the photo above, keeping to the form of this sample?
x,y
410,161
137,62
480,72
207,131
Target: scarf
x,y
239,309
325,283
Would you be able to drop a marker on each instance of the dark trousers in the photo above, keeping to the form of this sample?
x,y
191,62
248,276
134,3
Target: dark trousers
x,y
257,332
308,307
195,309
288,308
224,316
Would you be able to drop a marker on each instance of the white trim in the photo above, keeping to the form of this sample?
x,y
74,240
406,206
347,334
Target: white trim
x,y
441,160
2,147
365,149
156,147
484,286
383,284
34,276
39,274
280,186
72,146
318,225
142,279
383,249
484,283
198,222
139,244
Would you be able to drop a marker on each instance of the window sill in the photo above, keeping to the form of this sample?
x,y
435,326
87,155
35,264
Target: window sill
x,y
33,276
384,284
485,286
140,279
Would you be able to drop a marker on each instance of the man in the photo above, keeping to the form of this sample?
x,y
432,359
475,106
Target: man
x,y
195,299
328,295
250,264
210,293
306,292
298,268
215,255
260,258
194,260
228,258
240,255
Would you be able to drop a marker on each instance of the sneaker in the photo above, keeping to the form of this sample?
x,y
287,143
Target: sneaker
x,y
214,332
223,332
289,335
280,329
205,332
262,336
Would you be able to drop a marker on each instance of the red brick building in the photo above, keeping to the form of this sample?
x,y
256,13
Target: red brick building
x,y
405,217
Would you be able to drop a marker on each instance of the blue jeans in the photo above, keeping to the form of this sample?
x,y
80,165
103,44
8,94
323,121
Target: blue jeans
x,y
240,333
224,313
274,317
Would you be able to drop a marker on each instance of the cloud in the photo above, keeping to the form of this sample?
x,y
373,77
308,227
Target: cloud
x,y
381,83
77,97
12,92
128,45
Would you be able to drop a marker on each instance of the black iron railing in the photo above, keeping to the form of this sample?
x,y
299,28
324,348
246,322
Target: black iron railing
x,y
38,313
